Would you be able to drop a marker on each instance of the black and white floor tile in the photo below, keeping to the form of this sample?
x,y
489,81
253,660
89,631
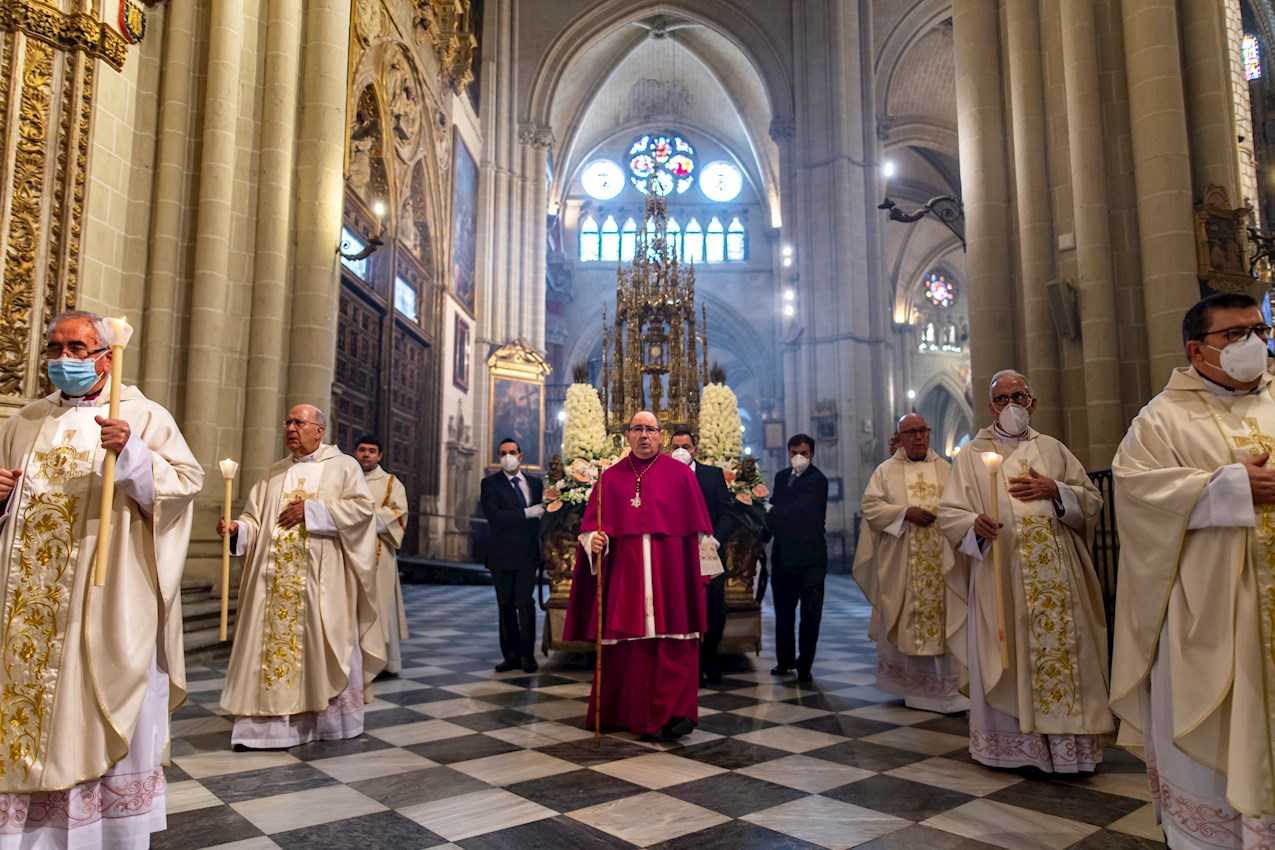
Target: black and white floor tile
x,y
456,756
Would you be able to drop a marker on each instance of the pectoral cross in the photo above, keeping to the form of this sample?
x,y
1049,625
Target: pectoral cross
x,y
636,501
1256,442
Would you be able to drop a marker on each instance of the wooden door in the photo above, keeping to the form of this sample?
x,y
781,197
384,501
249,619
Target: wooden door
x,y
356,392
405,454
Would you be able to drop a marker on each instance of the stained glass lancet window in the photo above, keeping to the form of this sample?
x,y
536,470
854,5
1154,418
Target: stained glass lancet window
x,y
661,163
693,242
628,241
715,242
675,237
610,241
1252,57
735,251
940,291
589,249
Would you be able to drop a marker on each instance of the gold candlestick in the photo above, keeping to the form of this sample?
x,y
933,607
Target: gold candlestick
x,y
993,462
118,333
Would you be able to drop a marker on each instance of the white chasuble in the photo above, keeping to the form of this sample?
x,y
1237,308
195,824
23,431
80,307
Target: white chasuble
x,y
305,597
1201,598
76,661
391,526
900,565
1056,683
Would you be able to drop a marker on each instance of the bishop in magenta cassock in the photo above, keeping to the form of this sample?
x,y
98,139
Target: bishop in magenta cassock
x,y
653,524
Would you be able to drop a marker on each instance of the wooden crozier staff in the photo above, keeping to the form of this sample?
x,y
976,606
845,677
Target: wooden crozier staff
x,y
597,664
228,470
118,333
992,461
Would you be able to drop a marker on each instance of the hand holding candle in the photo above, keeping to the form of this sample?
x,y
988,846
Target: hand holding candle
x,y
228,470
118,334
992,461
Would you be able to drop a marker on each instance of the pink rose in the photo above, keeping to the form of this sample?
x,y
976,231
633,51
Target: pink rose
x,y
744,497
553,506
760,491
730,475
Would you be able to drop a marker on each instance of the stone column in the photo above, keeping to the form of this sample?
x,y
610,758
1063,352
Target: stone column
x,y
267,345
1035,221
539,205
210,290
1162,176
164,295
1093,226
320,198
47,66
981,129
1207,75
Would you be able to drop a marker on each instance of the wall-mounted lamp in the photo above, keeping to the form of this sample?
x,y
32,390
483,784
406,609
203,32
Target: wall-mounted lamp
x,y
945,208
373,242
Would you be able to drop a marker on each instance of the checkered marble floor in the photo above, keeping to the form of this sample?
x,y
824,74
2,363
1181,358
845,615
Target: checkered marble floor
x,y
455,755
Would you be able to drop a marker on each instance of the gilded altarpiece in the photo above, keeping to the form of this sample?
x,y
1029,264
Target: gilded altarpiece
x,y
50,55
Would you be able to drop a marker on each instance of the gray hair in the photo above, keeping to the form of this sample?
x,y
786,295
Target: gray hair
x,y
99,326
1007,373
319,418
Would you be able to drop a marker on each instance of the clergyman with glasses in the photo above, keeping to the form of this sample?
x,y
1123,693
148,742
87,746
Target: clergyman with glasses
x,y
308,640
90,674
900,563
1194,674
1047,708
654,526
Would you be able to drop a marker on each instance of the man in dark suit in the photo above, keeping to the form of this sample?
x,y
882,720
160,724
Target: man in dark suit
x,y
799,556
718,499
510,501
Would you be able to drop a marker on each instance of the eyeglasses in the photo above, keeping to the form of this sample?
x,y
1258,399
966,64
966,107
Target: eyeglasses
x,y
298,422
1020,399
914,432
1239,333
644,429
78,350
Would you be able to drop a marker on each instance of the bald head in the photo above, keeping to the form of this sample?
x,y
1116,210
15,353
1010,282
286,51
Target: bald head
x,y
303,429
643,434
914,436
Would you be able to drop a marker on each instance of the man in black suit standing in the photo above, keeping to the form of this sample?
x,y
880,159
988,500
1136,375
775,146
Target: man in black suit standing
x,y
718,499
510,501
799,556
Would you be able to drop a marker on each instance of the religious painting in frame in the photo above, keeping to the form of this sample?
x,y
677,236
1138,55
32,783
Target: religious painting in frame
x,y
1221,243
516,406
464,225
774,435
460,355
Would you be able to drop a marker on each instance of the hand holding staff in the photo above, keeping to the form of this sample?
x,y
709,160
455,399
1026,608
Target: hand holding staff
x,y
228,470
118,333
992,461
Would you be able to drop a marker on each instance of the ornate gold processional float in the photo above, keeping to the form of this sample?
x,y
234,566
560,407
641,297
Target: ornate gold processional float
x,y
654,358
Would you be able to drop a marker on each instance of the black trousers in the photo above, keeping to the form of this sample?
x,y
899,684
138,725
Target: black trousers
x,y
716,604
517,612
793,587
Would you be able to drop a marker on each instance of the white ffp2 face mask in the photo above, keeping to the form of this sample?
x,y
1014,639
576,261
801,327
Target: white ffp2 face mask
x,y
799,463
1244,360
510,463
1013,419
682,455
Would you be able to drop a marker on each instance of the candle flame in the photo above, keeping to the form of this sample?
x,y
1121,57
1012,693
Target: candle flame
x,y
992,460
228,468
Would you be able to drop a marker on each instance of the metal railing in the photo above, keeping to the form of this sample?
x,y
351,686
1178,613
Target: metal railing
x,y
1106,548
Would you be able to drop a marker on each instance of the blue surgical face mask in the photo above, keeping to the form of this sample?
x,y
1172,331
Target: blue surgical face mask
x,y
72,376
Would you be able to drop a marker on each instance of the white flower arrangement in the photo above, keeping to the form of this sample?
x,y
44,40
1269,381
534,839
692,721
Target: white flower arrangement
x,y
584,433
720,437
